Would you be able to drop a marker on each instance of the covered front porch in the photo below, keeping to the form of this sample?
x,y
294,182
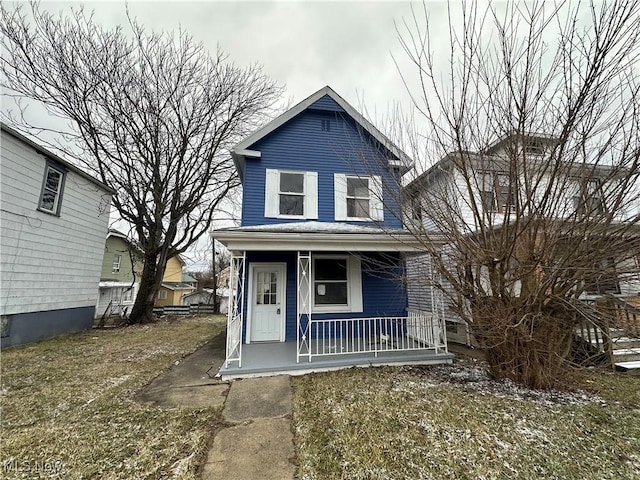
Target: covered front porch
x,y
288,288
260,359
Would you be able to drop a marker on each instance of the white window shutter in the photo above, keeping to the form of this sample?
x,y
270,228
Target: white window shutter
x,y
377,206
271,188
340,196
355,283
311,195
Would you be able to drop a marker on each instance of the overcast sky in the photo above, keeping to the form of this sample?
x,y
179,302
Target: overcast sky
x,y
302,45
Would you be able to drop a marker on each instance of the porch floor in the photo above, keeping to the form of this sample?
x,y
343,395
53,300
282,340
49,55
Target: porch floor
x,y
262,359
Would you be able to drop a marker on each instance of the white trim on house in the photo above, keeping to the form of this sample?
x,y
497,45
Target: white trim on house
x,y
282,285
339,242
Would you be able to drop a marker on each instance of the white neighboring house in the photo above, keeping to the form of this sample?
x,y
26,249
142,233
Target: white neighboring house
x,y
205,297
443,189
54,219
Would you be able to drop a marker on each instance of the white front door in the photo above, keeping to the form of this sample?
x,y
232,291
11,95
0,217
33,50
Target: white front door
x,y
267,303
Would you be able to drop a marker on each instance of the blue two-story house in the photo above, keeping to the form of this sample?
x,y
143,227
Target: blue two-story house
x,y
318,260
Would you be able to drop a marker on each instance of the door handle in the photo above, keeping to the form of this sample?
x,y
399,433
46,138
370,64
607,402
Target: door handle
x,y
278,311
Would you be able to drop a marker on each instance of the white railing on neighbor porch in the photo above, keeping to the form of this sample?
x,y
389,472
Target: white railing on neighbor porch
x,y
417,331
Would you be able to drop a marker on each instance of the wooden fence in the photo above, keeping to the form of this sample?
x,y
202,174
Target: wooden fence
x,y
184,310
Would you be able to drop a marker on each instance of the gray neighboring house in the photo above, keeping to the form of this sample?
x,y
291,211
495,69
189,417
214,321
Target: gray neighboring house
x,y
54,220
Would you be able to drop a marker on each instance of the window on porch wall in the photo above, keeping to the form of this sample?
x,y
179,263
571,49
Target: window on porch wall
x,y
331,282
337,284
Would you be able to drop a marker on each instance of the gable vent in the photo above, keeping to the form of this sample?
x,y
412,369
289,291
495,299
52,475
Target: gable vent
x,y
326,126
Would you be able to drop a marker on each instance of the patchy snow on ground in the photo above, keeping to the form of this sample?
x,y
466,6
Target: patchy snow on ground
x,y
475,377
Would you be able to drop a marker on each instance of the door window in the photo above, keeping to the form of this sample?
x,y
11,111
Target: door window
x,y
267,288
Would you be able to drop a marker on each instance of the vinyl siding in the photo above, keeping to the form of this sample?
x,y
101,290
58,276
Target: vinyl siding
x,y
301,145
48,262
326,103
118,246
383,289
173,272
422,295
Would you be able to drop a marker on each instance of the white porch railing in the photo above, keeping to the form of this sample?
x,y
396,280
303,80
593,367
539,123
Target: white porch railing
x,y
416,331
236,308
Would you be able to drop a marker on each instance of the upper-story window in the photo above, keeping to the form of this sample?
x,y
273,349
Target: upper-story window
x,y
291,194
115,266
534,147
52,186
358,198
496,192
415,208
589,198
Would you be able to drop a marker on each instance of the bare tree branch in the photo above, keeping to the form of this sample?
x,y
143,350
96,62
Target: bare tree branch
x,y
153,114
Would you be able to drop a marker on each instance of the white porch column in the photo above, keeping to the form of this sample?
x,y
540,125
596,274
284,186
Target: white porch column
x,y
304,286
438,307
235,312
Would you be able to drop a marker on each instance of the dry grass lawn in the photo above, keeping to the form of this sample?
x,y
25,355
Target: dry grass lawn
x,y
68,412
454,422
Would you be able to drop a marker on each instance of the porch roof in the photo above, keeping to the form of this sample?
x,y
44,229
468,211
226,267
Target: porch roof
x,y
317,236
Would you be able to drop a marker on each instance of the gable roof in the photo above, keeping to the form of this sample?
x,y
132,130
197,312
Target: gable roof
x,y
240,151
117,234
52,156
491,153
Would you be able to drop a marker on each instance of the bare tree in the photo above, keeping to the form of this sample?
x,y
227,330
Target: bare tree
x,y
534,125
153,116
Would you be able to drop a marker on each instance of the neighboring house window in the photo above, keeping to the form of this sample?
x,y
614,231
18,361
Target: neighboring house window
x,y
589,199
415,208
115,268
162,295
496,193
337,283
534,147
291,194
127,294
603,278
358,198
52,185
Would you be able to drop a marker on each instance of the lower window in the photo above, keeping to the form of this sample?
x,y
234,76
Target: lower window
x,y
330,284
337,284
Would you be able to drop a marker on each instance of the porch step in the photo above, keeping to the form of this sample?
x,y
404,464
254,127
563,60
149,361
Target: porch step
x,y
626,342
616,333
627,354
628,366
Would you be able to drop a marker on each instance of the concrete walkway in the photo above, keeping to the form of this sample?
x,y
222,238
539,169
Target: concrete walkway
x,y
258,441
